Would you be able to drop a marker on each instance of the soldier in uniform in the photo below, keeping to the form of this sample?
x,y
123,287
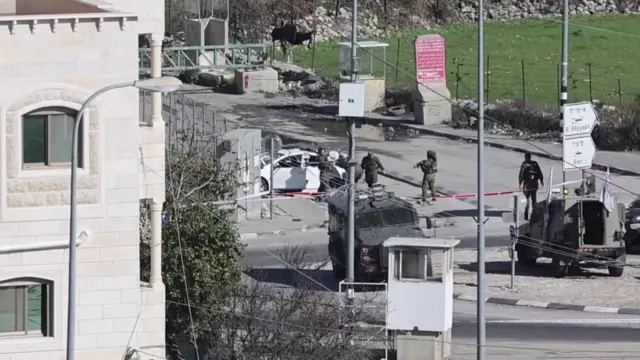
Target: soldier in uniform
x,y
429,168
371,164
528,178
325,167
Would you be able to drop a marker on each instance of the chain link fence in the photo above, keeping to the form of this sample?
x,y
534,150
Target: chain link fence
x,y
189,123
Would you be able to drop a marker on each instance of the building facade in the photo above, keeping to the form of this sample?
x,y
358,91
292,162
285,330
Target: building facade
x,y
56,54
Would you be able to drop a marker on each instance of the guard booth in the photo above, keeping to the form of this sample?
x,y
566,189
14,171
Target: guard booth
x,y
420,296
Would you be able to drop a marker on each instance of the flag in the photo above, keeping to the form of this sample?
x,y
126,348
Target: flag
x,y
606,194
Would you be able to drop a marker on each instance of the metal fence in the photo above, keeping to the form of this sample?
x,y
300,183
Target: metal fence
x,y
189,123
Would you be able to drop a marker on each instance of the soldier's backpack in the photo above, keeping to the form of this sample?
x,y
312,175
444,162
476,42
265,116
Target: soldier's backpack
x,y
428,167
531,171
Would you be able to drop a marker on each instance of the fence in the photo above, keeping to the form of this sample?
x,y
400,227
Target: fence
x,y
189,123
534,82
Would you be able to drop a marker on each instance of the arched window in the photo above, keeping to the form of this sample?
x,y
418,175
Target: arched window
x,y
46,138
26,308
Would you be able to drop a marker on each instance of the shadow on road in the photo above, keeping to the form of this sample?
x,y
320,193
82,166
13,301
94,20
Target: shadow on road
x,y
468,213
317,280
540,270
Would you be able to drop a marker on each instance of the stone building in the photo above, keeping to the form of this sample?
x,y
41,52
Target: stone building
x,y
56,53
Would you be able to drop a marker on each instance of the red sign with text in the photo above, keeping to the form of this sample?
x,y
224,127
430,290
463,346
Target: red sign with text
x,y
430,51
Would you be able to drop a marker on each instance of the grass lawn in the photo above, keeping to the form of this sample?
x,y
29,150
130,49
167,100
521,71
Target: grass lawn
x,y
611,51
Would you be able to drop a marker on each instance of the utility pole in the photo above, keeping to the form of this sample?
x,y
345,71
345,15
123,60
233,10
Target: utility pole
x,y
563,83
352,158
480,312
272,156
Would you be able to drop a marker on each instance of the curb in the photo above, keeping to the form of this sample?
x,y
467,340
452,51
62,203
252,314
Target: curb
x,y
304,228
597,166
551,306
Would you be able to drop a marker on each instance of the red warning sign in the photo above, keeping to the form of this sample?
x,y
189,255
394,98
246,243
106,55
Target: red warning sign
x,y
430,52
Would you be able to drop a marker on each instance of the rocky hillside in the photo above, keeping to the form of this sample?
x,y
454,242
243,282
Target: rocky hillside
x,y
332,24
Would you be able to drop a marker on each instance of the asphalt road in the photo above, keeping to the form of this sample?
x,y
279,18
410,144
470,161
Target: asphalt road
x,y
316,243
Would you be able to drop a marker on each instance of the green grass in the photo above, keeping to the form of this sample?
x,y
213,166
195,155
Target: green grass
x,y
612,56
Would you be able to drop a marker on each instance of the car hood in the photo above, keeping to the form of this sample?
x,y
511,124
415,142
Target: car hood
x,y
376,236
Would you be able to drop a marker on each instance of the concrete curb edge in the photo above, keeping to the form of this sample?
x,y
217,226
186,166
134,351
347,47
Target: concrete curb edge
x,y
304,228
597,166
550,305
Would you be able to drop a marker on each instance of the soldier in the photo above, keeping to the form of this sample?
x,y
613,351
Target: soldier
x,y
528,178
371,164
358,172
429,169
325,168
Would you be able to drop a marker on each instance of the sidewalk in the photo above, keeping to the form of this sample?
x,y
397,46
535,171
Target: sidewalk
x,y
289,215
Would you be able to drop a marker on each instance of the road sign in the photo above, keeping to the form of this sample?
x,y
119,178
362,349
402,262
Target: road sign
x,y
579,119
578,153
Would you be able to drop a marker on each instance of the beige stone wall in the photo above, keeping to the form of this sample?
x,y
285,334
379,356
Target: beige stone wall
x,y
43,68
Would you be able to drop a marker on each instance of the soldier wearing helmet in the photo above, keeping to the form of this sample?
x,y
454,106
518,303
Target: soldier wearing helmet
x,y
429,168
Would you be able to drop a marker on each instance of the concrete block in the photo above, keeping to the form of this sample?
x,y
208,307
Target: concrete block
x,y
122,224
120,339
43,257
153,312
89,312
102,326
131,296
126,195
120,311
119,253
125,325
97,283
129,267
97,268
99,297
263,80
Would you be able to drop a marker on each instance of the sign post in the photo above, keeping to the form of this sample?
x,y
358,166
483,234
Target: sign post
x,y
513,234
578,149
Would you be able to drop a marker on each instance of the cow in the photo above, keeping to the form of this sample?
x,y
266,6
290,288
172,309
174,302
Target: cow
x,y
288,33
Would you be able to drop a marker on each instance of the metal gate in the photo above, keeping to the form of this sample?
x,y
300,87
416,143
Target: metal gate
x,y
368,314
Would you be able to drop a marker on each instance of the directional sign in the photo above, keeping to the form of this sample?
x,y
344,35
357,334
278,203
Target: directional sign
x,y
579,119
578,153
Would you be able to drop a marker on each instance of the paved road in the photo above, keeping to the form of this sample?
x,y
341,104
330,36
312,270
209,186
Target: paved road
x,y
316,243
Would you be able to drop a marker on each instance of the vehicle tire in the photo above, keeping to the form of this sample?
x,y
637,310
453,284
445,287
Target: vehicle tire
x,y
339,271
616,271
559,268
264,185
524,259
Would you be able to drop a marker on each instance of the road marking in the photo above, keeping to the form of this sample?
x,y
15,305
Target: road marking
x,y
566,321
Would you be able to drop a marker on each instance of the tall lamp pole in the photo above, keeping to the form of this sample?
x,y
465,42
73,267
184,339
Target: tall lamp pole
x,y
564,70
481,256
159,84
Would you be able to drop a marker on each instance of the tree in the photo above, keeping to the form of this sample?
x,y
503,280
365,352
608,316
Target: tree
x,y
295,319
201,245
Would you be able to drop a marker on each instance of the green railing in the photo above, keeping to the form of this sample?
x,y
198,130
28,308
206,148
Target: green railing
x,y
178,59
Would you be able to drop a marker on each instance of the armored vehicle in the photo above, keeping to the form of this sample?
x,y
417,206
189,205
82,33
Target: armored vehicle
x,y
379,215
576,232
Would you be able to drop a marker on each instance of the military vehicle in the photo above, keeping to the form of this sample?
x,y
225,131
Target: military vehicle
x,y
379,215
579,233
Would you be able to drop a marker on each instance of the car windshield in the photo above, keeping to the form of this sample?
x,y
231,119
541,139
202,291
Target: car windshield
x,y
382,218
635,204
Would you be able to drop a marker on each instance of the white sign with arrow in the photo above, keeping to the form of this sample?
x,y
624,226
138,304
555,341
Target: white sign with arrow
x,y
578,153
578,149
579,119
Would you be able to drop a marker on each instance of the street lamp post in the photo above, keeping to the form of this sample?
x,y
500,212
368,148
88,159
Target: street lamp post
x,y
159,84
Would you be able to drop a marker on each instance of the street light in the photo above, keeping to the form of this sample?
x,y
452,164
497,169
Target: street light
x,y
163,84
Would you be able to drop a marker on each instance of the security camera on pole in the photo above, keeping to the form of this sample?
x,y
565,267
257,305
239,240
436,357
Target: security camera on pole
x,y
578,149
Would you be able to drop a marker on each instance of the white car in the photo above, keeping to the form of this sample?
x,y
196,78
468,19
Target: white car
x,y
296,169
